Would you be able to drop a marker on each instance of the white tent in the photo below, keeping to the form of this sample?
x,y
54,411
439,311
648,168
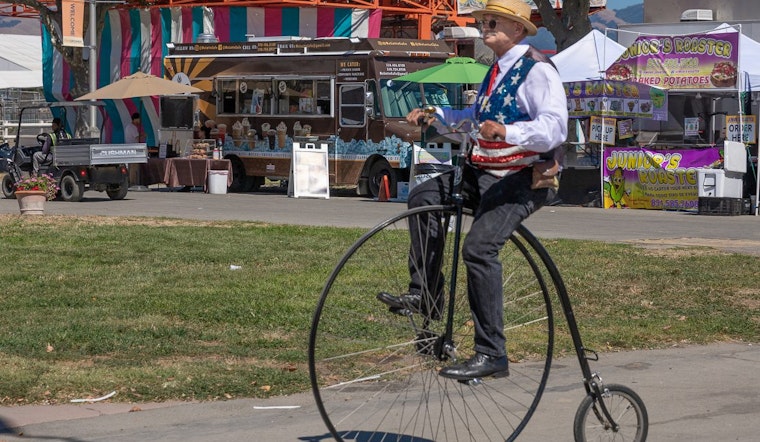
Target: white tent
x,y
20,61
587,58
749,56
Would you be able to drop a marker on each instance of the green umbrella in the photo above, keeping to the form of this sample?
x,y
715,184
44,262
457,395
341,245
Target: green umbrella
x,y
464,70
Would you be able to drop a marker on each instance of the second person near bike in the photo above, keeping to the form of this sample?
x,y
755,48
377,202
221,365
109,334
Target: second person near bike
x,y
521,110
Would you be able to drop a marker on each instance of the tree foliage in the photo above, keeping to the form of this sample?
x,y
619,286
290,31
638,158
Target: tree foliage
x,y
569,26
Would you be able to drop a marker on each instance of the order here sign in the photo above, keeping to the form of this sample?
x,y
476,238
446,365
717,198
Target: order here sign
x,y
744,131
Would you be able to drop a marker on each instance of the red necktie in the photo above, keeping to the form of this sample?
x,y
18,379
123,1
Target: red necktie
x,y
492,80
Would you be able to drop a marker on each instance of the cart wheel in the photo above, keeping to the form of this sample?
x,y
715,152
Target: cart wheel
x,y
9,187
118,192
71,189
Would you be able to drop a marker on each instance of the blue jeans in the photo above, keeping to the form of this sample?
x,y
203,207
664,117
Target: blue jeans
x,y
499,206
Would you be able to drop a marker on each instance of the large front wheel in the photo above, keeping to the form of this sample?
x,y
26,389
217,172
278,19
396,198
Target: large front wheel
x,y
625,407
374,373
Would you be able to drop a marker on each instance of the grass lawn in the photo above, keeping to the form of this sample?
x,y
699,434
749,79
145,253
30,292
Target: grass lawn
x,y
150,307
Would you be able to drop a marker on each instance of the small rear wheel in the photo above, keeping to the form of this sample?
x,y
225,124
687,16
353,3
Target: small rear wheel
x,y
625,407
71,189
9,186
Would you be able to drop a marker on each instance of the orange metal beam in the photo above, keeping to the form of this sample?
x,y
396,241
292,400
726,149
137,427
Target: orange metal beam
x,y
21,11
426,13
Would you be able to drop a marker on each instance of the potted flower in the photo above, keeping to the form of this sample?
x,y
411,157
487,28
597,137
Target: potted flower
x,y
32,193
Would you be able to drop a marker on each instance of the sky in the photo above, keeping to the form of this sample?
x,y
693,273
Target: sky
x,y
621,4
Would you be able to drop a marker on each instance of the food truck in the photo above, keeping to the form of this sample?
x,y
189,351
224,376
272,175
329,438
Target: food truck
x,y
265,94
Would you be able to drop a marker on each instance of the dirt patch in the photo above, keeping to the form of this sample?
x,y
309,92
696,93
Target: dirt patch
x,y
692,245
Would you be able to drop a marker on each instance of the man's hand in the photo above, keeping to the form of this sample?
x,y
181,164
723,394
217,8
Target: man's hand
x,y
491,130
415,117
420,116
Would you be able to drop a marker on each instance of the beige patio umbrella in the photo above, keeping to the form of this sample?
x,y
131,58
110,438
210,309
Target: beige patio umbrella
x,y
137,85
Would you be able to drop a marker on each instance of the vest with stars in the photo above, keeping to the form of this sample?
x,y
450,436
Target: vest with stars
x,y
498,157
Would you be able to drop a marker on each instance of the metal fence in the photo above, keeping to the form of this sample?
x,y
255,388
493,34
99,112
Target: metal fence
x,y
34,121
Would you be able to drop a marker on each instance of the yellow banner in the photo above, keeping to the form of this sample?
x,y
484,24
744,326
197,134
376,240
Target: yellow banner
x,y
72,22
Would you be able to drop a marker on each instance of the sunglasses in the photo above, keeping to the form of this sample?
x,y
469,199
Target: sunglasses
x,y
491,24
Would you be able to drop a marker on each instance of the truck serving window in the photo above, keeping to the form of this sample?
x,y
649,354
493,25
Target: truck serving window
x,y
274,96
303,96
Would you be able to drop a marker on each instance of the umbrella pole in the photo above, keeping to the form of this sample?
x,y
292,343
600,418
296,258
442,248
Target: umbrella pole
x,y
138,185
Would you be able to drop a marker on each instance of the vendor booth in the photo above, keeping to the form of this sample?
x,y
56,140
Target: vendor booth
x,y
650,155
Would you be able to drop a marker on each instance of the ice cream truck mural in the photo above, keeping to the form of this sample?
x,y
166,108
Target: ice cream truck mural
x,y
270,93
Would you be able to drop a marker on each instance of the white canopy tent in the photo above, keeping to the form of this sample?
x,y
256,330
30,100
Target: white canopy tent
x,y
749,57
20,61
588,58
749,65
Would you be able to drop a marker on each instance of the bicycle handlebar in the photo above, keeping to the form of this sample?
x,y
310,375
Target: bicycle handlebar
x,y
430,113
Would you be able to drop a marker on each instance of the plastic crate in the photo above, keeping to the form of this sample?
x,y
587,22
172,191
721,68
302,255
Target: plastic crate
x,y
720,206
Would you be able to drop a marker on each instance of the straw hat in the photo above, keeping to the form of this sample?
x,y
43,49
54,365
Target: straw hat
x,y
516,10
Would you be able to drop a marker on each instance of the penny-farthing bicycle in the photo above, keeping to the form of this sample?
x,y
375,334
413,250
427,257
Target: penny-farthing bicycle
x,y
374,372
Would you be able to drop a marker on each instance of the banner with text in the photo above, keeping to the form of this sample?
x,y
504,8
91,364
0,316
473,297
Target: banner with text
x,y
696,61
616,99
72,22
654,179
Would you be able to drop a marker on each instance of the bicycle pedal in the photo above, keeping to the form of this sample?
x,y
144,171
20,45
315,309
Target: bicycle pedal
x,y
472,382
401,311
478,381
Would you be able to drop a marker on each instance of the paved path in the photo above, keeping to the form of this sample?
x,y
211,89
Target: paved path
x,y
699,393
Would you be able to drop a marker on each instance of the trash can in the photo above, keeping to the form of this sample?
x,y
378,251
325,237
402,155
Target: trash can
x,y
217,181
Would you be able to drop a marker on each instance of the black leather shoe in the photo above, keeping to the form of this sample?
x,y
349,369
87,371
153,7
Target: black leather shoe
x,y
478,366
409,303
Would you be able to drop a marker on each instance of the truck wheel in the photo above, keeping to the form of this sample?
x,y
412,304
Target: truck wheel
x,y
240,181
9,187
257,182
376,173
71,189
118,193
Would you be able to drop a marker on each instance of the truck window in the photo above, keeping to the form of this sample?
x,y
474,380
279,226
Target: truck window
x,y
255,96
228,95
399,98
352,111
303,96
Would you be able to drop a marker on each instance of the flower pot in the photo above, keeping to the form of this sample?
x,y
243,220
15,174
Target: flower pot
x,y
31,202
